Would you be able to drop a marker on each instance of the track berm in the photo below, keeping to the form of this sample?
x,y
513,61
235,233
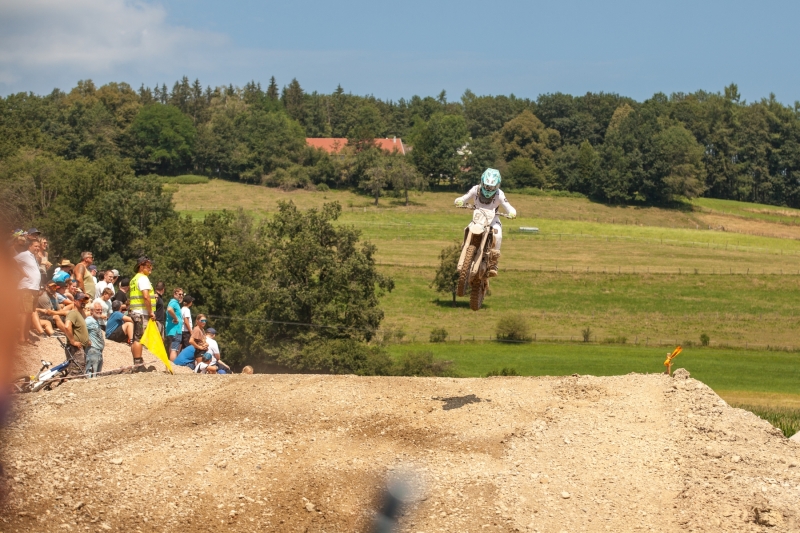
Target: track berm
x,y
154,452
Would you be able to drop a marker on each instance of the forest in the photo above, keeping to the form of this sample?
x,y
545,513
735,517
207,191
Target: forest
x,y
608,147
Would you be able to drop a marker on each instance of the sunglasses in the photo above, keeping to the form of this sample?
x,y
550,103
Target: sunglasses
x,y
204,321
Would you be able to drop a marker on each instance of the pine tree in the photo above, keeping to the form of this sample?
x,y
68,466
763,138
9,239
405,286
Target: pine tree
x,y
272,90
293,100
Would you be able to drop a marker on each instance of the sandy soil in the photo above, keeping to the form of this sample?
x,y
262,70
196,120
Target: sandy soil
x,y
153,452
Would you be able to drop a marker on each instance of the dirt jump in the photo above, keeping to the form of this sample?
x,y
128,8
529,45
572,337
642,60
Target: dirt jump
x,y
154,452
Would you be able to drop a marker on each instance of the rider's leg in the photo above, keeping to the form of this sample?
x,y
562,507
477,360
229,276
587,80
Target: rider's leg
x,y
494,254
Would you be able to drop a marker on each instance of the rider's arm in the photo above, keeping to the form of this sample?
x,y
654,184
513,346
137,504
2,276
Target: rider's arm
x,y
507,206
461,200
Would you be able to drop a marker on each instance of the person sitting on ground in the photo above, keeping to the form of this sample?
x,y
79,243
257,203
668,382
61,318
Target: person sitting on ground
x,y
202,363
119,328
107,281
105,302
186,320
77,333
173,324
247,370
28,288
124,288
63,298
94,354
213,347
43,322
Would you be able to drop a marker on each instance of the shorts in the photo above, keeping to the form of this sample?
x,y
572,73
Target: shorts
x,y
118,336
28,300
138,326
175,342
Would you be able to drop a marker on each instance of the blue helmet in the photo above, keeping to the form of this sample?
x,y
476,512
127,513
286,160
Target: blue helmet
x,y
490,182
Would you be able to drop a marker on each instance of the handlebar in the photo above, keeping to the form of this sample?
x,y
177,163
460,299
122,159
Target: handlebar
x,y
472,207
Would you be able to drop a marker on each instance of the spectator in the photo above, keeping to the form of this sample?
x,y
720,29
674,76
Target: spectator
x,y
197,345
63,298
105,302
94,353
44,264
198,338
83,275
43,322
28,288
142,304
160,311
107,281
64,271
93,272
247,370
55,312
203,363
77,333
173,323
19,242
122,294
119,327
186,320
72,289
213,347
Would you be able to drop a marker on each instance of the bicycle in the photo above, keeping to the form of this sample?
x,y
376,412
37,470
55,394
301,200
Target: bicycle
x,y
47,378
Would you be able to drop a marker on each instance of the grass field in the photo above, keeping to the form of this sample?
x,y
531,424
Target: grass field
x,y
728,269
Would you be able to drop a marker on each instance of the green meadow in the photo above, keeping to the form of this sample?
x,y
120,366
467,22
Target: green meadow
x,y
633,276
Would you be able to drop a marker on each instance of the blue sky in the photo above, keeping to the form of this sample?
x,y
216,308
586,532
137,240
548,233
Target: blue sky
x,y
398,49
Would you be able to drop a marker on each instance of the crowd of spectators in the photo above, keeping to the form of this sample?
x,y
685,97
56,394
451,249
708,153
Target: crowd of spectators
x,y
66,300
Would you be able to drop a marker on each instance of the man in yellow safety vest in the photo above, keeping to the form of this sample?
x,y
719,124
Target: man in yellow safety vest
x,y
140,304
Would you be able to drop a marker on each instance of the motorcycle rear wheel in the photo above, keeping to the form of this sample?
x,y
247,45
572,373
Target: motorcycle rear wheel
x,y
463,276
476,295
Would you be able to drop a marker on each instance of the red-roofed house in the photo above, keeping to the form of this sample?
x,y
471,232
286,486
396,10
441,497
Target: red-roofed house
x,y
332,145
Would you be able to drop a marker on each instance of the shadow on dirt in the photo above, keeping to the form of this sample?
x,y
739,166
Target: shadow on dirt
x,y
454,402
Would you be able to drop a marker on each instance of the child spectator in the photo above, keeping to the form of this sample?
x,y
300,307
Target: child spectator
x,y
186,320
213,347
94,353
247,370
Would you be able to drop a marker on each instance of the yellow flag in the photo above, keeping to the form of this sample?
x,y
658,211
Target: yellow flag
x,y
152,341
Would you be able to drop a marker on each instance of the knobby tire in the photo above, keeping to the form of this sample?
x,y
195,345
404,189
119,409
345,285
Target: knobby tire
x,y
463,276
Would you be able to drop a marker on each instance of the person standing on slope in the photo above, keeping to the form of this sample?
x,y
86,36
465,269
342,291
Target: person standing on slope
x,y
487,195
142,305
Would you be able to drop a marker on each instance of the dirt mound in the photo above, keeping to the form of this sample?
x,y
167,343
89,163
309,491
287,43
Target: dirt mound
x,y
154,452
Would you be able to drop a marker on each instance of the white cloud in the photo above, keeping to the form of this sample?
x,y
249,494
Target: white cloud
x,y
47,40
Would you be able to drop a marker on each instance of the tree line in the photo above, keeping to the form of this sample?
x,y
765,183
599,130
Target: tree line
x,y
606,146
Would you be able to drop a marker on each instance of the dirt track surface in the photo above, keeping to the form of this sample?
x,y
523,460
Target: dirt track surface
x,y
154,452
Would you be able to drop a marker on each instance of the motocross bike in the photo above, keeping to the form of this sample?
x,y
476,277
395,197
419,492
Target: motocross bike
x,y
476,253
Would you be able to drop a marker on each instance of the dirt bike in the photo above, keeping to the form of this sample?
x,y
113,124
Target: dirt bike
x,y
476,253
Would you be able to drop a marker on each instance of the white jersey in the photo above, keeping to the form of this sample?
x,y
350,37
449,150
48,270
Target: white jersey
x,y
498,200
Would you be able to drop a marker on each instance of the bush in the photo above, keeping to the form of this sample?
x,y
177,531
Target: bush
x,y
343,356
619,339
186,179
505,371
513,328
704,339
438,335
422,364
323,187
587,334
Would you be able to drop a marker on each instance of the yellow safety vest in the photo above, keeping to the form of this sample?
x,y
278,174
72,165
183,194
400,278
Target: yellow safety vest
x,y
136,297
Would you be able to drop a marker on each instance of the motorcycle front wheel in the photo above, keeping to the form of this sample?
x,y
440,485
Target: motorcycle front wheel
x,y
476,295
463,276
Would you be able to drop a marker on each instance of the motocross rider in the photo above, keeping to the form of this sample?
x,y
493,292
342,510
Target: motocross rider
x,y
488,195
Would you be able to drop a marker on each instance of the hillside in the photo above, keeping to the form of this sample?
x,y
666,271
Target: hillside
x,y
153,452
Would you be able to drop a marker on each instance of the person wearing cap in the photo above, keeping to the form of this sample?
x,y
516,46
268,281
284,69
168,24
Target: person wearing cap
x,y
19,243
93,272
28,288
213,347
142,305
77,333
107,281
64,271
186,319
124,288
83,275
